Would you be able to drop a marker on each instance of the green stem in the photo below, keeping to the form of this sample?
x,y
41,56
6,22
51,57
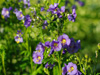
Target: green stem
x,y
29,49
3,63
59,1
59,63
80,65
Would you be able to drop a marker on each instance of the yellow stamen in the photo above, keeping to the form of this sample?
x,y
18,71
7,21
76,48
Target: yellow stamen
x,y
21,15
39,57
37,60
63,41
71,69
7,12
55,44
17,41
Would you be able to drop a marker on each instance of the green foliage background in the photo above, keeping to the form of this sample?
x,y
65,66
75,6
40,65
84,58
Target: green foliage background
x,y
15,58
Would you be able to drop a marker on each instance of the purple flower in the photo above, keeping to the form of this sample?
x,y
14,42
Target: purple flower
x,y
81,3
74,13
64,39
71,68
74,46
19,15
47,44
74,7
45,24
63,9
18,39
72,16
29,3
56,45
26,2
78,73
19,32
53,8
27,21
40,48
5,12
37,57
64,70
42,8
51,52
49,66
15,11
10,8
66,2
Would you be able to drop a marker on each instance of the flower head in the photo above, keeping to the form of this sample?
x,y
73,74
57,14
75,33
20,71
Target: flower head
x,y
53,8
19,32
63,9
5,12
40,48
56,45
64,70
45,24
49,65
81,3
18,39
74,46
26,2
72,16
42,8
47,44
19,15
37,57
74,7
64,39
27,21
15,11
71,68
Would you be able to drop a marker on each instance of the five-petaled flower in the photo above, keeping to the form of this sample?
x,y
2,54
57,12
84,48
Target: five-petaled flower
x,y
6,12
19,15
37,57
65,40
56,45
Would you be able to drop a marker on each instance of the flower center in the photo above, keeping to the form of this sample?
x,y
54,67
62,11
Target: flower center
x,y
17,41
63,41
39,58
71,69
55,44
7,12
21,15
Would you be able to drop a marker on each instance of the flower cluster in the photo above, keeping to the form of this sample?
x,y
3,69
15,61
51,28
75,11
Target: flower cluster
x,y
70,69
63,42
66,43
18,37
55,10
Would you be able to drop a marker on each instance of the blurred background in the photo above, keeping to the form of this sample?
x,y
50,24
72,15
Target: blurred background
x,y
86,28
